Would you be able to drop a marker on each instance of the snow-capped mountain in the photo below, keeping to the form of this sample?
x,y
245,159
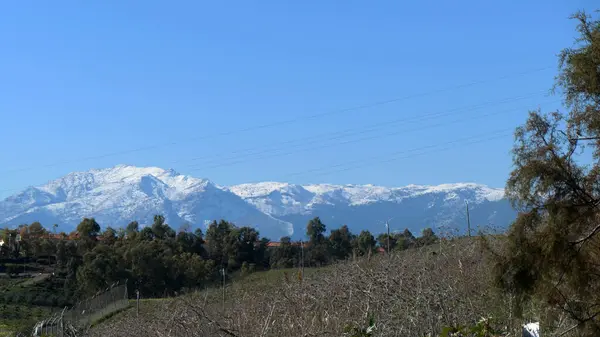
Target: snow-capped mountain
x,y
367,206
121,194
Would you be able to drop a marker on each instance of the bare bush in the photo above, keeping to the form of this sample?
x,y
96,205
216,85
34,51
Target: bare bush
x,y
414,293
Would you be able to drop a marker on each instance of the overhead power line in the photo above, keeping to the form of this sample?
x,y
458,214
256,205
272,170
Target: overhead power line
x,y
351,131
435,148
237,160
384,159
289,121
321,146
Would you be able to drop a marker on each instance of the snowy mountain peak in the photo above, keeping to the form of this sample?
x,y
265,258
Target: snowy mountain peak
x,y
117,195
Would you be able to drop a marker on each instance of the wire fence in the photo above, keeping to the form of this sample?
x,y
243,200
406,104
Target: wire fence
x,y
84,313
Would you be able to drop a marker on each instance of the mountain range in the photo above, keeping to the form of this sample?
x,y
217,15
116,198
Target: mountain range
x,y
118,195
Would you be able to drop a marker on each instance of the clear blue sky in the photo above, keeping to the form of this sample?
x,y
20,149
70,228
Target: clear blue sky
x,y
83,79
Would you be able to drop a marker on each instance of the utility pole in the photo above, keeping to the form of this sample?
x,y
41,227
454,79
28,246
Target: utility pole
x,y
387,225
468,219
223,271
302,259
137,301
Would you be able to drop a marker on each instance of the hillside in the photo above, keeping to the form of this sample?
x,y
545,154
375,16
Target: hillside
x,y
118,195
413,293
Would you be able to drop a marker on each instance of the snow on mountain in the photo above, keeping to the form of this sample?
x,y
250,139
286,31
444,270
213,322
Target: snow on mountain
x,y
118,195
364,206
282,198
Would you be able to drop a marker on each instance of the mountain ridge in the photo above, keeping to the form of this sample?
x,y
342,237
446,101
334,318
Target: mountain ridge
x,y
123,193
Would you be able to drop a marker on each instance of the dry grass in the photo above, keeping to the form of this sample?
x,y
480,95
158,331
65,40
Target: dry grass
x,y
413,293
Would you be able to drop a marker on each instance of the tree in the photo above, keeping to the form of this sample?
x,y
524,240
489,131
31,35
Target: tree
x,y
427,238
405,240
552,247
382,241
100,269
315,231
146,234
286,255
318,251
88,228
132,229
340,243
160,229
216,239
36,230
365,243
109,236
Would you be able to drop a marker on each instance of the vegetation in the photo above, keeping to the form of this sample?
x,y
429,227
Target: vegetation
x,y
553,252
410,293
546,268
158,261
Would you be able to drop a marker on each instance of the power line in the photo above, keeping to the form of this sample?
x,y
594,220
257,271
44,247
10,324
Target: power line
x,y
385,159
353,131
322,146
289,121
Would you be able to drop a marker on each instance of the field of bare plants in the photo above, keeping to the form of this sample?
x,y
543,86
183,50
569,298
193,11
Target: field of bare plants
x,y
414,293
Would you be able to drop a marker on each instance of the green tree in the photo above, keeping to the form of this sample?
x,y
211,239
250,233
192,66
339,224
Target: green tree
x,y
146,234
427,238
365,243
101,267
286,255
552,247
340,243
132,229
88,228
217,241
318,249
109,236
36,230
160,229
315,231
382,241
405,240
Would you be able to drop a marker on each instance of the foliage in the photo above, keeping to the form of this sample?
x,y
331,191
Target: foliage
x,y
158,261
553,246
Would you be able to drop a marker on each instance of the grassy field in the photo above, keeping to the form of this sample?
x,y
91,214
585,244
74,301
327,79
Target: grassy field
x,y
20,317
18,311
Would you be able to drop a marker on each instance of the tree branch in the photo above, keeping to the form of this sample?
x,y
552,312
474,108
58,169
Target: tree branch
x,y
589,236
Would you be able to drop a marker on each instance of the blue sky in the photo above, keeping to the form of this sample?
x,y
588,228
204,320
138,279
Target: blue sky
x,y
209,88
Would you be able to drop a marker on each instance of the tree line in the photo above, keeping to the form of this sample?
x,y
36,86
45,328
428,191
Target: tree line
x,y
158,260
